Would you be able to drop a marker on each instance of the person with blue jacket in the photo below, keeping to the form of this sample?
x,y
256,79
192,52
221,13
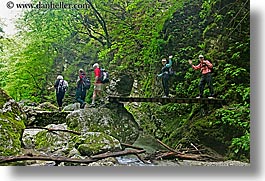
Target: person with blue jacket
x,y
165,74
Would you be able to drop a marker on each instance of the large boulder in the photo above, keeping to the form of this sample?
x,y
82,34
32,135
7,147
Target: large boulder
x,y
48,141
92,143
112,119
11,125
62,143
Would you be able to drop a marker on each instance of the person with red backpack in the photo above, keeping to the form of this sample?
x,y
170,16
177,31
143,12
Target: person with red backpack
x,y
205,66
83,84
60,86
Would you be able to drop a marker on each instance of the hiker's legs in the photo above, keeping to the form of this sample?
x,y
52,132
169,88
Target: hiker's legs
x,y
97,92
78,96
165,84
202,85
210,84
59,97
83,98
83,95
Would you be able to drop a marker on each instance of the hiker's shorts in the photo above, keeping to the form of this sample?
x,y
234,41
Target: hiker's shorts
x,y
98,87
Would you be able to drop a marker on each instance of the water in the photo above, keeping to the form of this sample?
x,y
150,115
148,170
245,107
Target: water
x,y
132,161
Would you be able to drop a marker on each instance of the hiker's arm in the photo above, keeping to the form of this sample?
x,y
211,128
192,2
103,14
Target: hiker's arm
x,y
78,80
195,67
56,84
66,84
96,79
160,75
190,62
169,64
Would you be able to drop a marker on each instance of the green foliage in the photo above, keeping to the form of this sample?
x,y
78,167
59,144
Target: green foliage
x,y
241,147
237,117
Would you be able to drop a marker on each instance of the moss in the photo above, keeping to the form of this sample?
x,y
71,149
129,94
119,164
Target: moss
x,y
112,119
3,98
95,142
11,126
47,106
52,141
41,140
85,149
73,124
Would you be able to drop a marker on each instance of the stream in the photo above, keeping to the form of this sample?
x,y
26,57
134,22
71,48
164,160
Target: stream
x,y
150,145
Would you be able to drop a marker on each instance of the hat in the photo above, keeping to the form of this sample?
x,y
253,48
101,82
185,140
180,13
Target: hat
x,y
200,56
60,77
164,60
95,65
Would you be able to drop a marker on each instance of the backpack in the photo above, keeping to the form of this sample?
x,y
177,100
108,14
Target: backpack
x,y
62,86
104,76
171,71
86,82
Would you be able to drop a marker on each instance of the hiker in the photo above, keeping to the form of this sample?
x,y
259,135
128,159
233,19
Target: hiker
x,y
205,67
165,74
81,90
60,88
97,84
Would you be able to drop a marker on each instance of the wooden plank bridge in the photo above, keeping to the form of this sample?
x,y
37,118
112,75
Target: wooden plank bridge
x,y
166,100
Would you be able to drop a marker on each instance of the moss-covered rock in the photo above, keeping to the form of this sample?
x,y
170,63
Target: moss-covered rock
x,y
113,119
65,143
47,106
49,141
11,125
95,142
44,118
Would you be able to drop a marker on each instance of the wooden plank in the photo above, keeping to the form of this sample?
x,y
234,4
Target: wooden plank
x,y
166,100
52,112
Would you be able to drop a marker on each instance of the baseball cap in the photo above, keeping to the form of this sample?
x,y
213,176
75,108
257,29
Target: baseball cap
x,y
200,56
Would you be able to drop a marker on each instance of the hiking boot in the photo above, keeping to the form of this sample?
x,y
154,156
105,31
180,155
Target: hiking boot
x,y
92,105
82,106
60,109
102,101
198,97
165,97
